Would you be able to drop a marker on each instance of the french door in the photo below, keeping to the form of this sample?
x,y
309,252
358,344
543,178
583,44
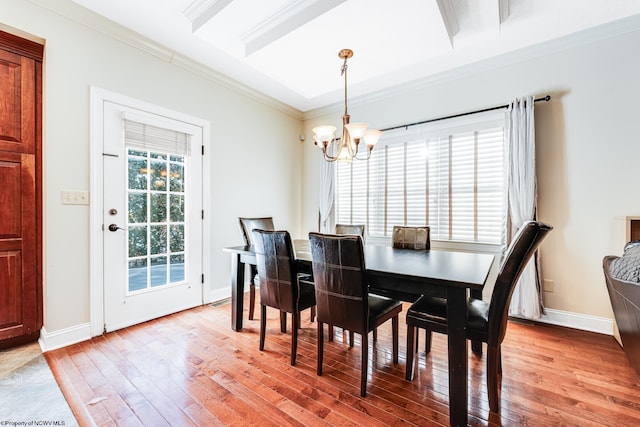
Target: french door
x,y
152,216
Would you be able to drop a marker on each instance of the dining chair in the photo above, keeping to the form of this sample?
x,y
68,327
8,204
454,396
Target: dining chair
x,y
280,285
342,296
356,229
246,226
416,238
486,321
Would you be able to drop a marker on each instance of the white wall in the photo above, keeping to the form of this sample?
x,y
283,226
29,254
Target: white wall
x,y
254,147
587,149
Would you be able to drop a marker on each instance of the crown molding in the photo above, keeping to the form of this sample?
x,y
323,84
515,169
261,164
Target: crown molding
x,y
87,18
581,38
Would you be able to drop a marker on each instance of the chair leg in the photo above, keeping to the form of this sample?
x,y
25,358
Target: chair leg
x,y
252,299
476,347
350,338
299,321
330,332
493,361
375,334
283,322
394,335
411,350
500,359
263,325
320,347
313,313
294,336
427,341
364,364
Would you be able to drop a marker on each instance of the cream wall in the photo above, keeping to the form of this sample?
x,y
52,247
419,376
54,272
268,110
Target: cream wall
x,y
587,149
587,144
247,134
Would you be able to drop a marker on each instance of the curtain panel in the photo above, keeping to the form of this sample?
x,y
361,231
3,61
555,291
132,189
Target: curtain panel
x,y
520,167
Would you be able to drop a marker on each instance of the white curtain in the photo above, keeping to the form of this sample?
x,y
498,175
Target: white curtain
x,y
326,197
520,167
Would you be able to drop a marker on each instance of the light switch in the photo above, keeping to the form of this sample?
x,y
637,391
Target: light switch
x,y
74,197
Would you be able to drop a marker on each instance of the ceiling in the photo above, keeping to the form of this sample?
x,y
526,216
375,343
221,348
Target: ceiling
x,y
288,49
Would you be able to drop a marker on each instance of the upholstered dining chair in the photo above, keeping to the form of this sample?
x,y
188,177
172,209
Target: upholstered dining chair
x,y
342,296
486,321
356,229
416,238
280,285
246,226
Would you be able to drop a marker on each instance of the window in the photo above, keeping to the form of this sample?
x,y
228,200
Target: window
x,y
446,174
156,198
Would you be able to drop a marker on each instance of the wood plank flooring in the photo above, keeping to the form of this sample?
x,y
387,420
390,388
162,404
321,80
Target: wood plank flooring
x,y
191,369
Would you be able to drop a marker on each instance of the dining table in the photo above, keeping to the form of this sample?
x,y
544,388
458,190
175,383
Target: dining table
x,y
403,274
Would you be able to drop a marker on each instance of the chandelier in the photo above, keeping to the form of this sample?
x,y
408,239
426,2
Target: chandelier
x,y
353,134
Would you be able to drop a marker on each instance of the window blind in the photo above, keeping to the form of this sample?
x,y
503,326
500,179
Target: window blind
x,y
146,137
449,177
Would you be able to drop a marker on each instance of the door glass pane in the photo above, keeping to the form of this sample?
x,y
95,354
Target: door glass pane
x,y
137,208
137,274
158,271
156,215
137,241
177,268
158,239
158,207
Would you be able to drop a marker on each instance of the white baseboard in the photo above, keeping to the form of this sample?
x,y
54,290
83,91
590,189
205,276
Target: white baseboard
x,y
584,322
64,337
220,294
602,325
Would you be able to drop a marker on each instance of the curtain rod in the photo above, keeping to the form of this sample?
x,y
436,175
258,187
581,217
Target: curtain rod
x,y
544,98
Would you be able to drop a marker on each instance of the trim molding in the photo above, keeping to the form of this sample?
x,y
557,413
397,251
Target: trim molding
x,y
221,294
95,22
53,340
583,322
581,38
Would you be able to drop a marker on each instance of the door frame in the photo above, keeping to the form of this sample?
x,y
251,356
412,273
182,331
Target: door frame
x,y
98,97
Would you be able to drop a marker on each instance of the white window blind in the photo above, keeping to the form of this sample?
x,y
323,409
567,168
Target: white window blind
x,y
448,176
146,137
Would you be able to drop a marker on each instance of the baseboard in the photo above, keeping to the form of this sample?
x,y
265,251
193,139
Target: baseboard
x,y
220,294
584,322
64,337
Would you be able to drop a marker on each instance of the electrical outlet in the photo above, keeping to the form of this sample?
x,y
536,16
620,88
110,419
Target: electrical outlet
x,y
74,197
547,285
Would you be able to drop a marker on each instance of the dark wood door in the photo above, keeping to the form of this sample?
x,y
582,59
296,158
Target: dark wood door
x,y
20,190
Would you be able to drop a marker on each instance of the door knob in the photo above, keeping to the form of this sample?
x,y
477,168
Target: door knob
x,y
114,227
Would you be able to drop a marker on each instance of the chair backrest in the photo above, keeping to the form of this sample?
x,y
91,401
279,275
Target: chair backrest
x,y
357,229
248,224
416,238
522,248
275,261
339,275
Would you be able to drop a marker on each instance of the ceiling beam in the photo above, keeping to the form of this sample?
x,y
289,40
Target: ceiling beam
x,y
289,18
201,11
449,18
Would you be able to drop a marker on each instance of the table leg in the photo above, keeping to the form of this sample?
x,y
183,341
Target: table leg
x,y
456,304
237,292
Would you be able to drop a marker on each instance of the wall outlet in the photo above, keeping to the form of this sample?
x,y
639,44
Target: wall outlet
x,y
547,285
74,197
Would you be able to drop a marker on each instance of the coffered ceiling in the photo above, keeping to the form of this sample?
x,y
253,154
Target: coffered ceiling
x,y
288,49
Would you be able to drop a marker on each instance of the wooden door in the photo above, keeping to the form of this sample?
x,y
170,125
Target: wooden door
x,y
20,190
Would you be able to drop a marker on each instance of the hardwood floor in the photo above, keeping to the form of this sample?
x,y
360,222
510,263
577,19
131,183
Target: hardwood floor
x,y
190,368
